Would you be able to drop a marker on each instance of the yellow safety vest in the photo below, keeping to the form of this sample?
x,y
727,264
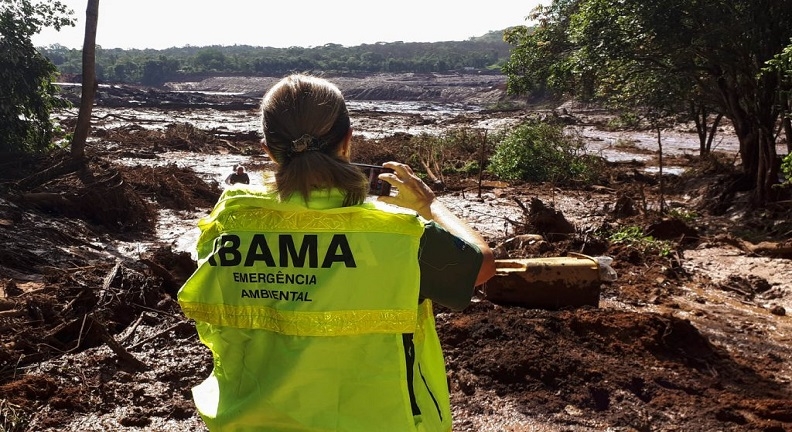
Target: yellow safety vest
x,y
312,315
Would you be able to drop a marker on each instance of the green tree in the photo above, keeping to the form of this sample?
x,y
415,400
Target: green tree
x,y
157,71
27,95
781,64
371,61
583,47
210,60
125,72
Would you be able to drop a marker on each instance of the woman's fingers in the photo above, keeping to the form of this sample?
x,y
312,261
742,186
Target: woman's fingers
x,y
401,170
412,193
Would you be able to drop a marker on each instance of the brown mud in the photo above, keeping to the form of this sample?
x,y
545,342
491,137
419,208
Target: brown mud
x,y
693,335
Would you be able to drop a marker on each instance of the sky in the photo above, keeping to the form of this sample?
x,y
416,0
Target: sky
x,y
160,24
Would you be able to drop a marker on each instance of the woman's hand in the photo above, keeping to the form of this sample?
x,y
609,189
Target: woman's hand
x,y
413,193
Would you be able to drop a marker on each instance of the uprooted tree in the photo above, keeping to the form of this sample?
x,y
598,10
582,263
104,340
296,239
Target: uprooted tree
x,y
597,49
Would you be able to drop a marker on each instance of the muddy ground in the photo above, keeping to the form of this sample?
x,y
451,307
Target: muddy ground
x,y
693,335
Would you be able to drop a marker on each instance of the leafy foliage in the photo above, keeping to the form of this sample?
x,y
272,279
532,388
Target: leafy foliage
x,y
659,57
539,151
28,95
635,237
781,65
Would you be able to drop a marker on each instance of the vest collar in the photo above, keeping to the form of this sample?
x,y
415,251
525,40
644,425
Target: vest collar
x,y
322,199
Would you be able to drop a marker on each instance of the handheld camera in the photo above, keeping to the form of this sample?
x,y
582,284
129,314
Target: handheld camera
x,y
376,186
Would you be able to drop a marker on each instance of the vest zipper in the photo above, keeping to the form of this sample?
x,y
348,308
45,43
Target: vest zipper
x,y
437,405
409,355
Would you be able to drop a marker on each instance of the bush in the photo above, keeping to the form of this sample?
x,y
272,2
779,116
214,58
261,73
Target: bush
x,y
536,151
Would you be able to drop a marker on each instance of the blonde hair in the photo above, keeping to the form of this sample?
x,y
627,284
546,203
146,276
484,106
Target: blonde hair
x,y
305,121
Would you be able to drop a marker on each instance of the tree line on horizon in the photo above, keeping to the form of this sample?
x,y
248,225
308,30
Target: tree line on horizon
x,y
150,67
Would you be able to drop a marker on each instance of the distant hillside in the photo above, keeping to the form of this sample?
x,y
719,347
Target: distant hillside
x,y
484,54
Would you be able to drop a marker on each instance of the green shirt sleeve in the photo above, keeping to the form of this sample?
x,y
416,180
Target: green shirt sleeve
x,y
449,267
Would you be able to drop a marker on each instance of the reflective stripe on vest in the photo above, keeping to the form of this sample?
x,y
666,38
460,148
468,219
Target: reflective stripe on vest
x,y
304,323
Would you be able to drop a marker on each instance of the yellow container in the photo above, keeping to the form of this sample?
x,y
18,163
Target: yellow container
x,y
546,283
